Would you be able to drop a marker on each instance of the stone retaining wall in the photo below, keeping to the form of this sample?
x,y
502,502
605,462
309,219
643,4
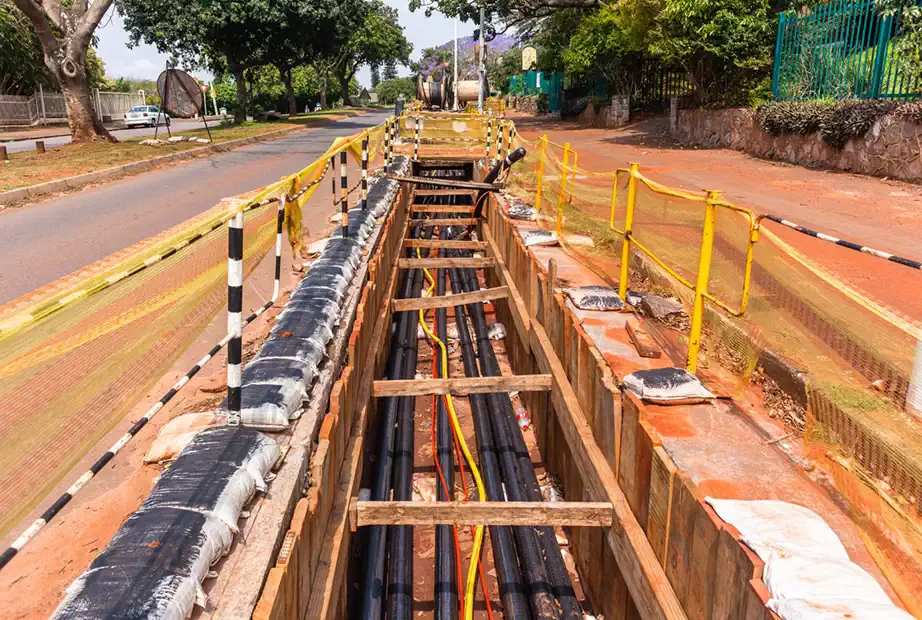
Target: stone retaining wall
x,y
891,148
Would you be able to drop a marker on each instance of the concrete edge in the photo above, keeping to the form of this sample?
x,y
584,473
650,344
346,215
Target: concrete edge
x,y
80,181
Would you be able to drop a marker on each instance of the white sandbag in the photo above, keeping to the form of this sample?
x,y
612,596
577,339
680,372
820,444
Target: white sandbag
x,y
176,433
274,405
773,527
316,247
820,578
667,386
540,237
847,609
594,297
496,331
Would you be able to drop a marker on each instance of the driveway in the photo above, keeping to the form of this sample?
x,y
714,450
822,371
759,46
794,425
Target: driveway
x,y
48,240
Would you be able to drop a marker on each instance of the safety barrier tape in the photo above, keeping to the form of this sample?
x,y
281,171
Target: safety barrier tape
x,y
908,262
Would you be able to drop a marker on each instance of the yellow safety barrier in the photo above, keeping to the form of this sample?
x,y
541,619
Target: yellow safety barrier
x,y
711,203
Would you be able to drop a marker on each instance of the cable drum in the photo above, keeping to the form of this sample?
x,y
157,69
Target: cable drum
x,y
180,93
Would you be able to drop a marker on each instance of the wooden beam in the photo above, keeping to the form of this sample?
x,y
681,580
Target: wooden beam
x,y
449,301
449,221
448,244
462,386
562,514
441,209
445,263
439,182
443,192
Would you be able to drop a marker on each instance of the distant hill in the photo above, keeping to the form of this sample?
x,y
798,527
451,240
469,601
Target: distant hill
x,y
467,68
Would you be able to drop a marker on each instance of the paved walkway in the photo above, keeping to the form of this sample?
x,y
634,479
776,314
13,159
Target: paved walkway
x,y
45,241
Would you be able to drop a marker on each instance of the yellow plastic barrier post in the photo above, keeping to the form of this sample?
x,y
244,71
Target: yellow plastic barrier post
x,y
573,176
704,275
540,172
563,189
628,224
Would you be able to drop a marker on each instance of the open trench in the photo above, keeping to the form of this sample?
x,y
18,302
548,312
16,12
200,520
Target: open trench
x,y
403,571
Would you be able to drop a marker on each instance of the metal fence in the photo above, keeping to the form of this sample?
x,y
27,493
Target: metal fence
x,y
44,107
844,49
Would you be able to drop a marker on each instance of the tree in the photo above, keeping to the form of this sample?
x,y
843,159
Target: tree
x,y
501,67
22,67
219,33
725,45
390,70
389,90
523,15
65,30
375,75
378,39
308,30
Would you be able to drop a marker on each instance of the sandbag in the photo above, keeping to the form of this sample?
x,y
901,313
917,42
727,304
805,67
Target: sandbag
x,y
271,406
667,386
540,237
594,297
845,609
176,433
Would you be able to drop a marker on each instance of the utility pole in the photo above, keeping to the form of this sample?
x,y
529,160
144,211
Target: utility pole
x,y
482,67
454,84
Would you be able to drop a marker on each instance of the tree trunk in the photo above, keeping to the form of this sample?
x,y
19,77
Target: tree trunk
x,y
84,125
324,82
344,84
240,114
292,104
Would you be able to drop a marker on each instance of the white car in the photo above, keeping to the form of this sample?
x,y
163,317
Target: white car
x,y
146,116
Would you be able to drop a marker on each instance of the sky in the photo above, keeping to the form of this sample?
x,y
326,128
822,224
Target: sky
x,y
144,62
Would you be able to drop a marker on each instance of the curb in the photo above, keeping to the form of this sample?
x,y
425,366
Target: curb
x,y
107,174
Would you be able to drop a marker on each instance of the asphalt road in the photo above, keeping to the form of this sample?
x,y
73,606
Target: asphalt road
x,y
176,124
48,240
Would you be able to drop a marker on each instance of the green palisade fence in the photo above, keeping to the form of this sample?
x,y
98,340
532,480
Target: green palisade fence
x,y
844,49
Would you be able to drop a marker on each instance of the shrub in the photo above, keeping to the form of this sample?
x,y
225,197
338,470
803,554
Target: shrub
x,y
837,122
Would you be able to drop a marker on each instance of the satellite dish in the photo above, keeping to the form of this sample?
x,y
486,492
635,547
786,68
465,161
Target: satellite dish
x,y
180,94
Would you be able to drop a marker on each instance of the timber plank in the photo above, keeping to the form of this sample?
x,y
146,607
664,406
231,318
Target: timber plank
x,y
462,386
445,263
453,244
448,301
562,514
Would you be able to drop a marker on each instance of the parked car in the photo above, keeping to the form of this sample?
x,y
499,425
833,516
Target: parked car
x,y
146,115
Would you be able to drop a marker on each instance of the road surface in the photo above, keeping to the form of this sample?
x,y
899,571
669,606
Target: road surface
x,y
48,240
176,124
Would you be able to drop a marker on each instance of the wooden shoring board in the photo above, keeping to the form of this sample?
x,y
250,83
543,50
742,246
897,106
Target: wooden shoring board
x,y
462,386
334,557
447,244
446,263
448,301
449,221
462,210
438,182
444,192
644,575
554,514
237,589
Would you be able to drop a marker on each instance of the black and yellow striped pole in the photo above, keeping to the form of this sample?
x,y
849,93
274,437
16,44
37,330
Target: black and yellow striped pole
x,y
344,201
387,143
365,172
234,317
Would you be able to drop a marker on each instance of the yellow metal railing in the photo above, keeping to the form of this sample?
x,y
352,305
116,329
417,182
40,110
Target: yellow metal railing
x,y
711,203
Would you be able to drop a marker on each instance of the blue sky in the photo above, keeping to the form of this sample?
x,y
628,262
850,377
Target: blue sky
x,y
145,63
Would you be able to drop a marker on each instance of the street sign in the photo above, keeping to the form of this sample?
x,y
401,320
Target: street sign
x,y
529,58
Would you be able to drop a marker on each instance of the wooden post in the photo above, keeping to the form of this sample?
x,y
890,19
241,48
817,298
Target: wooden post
x,y
40,146
3,155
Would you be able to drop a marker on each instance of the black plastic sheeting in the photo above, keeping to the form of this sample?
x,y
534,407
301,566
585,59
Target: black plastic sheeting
x,y
154,566
666,385
279,378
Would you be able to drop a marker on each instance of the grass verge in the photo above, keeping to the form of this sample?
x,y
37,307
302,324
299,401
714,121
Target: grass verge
x,y
30,168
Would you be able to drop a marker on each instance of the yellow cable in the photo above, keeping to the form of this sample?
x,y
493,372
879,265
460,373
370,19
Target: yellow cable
x,y
481,492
